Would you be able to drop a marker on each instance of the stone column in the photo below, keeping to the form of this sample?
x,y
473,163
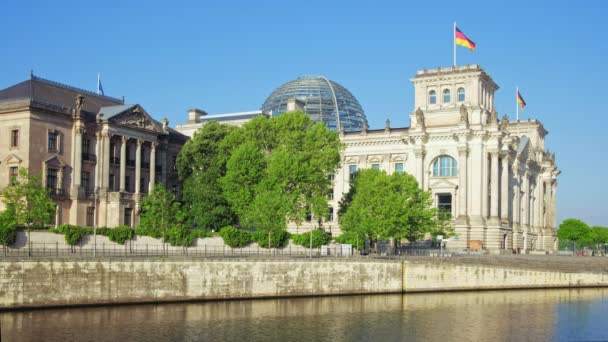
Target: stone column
x,y
525,220
60,180
463,154
152,165
504,191
547,201
516,206
494,186
138,166
123,162
163,163
419,152
99,159
77,167
105,175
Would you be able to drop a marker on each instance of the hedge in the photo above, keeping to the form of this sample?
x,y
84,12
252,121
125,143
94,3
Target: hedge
x,y
319,238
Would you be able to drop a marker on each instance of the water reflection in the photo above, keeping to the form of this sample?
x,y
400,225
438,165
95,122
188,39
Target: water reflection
x,y
463,316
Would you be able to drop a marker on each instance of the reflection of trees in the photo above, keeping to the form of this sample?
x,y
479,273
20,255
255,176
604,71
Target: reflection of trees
x,y
457,316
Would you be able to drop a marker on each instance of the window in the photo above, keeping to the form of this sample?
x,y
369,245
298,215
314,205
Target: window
x,y
432,97
460,94
330,215
128,216
111,186
330,177
127,181
352,171
376,166
13,173
51,179
85,145
15,138
174,163
142,186
84,175
330,194
445,166
444,205
90,216
52,141
399,167
446,96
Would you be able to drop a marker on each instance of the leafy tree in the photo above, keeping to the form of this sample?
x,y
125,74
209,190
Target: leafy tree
x,y
318,237
278,170
599,237
160,212
29,201
200,164
276,239
575,231
236,238
389,207
8,228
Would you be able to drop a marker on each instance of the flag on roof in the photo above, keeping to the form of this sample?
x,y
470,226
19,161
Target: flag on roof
x,y
462,40
520,101
99,87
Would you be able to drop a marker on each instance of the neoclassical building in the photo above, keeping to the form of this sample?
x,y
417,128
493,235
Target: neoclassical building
x,y
493,176
97,155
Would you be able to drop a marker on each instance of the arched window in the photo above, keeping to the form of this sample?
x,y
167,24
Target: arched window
x,y
432,97
460,94
446,96
445,166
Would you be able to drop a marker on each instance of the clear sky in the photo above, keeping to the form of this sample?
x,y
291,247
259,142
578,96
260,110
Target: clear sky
x,y
227,56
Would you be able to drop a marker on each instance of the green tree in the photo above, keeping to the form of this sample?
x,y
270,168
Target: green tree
x,y
599,237
389,207
200,164
278,170
575,231
29,201
160,212
8,228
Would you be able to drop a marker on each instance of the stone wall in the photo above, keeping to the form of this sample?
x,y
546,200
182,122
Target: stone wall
x,y
64,282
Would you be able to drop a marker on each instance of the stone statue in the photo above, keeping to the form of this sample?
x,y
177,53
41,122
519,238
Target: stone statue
x,y
464,115
493,116
79,104
165,123
342,128
420,118
365,126
504,123
388,124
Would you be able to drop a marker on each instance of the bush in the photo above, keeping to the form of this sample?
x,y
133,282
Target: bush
x,y
236,237
118,234
278,239
351,238
319,238
8,228
72,234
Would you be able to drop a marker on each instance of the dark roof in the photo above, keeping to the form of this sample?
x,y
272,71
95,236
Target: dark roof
x,y
48,92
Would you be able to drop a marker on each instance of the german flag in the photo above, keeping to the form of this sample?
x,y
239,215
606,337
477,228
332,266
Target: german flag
x,y
462,40
520,101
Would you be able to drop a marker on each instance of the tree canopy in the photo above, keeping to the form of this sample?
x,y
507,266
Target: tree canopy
x,y
574,230
160,212
387,206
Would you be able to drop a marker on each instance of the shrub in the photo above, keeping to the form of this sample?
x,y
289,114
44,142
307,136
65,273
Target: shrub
x,y
236,237
278,239
319,238
72,234
118,234
351,238
8,228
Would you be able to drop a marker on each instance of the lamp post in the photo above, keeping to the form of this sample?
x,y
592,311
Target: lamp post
x,y
95,222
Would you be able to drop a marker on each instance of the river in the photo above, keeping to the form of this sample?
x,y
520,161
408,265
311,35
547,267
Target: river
x,y
535,315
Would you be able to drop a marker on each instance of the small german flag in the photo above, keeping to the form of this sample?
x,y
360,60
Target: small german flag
x,y
462,40
520,101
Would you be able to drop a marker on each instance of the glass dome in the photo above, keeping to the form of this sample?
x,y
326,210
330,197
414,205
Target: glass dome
x,y
322,99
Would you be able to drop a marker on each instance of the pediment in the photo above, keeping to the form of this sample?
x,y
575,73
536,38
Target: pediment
x,y
399,157
136,117
443,183
12,159
54,161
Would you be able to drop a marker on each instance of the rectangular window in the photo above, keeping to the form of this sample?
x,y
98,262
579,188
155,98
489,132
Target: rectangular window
x,y
376,166
90,216
86,143
174,161
330,194
13,173
142,185
15,138
111,185
330,177
52,141
127,181
84,175
444,205
51,179
399,167
127,218
352,170
330,216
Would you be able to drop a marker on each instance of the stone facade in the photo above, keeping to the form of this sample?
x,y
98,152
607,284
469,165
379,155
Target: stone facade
x,y
97,155
493,176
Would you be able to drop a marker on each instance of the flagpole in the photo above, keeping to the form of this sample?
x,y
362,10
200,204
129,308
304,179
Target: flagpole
x,y
454,39
98,93
516,103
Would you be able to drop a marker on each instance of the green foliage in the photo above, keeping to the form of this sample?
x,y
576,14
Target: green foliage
x,y
277,170
119,234
29,200
8,228
389,206
354,238
278,239
200,164
161,213
72,234
319,238
574,230
236,238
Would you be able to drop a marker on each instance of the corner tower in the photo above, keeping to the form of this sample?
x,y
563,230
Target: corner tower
x,y
439,93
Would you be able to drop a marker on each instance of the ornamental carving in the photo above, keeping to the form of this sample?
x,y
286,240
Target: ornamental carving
x,y
464,115
504,123
420,118
137,118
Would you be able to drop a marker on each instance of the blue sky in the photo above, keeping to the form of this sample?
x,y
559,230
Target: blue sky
x,y
226,56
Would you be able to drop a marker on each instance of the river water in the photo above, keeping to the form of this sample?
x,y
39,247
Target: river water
x,y
537,315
